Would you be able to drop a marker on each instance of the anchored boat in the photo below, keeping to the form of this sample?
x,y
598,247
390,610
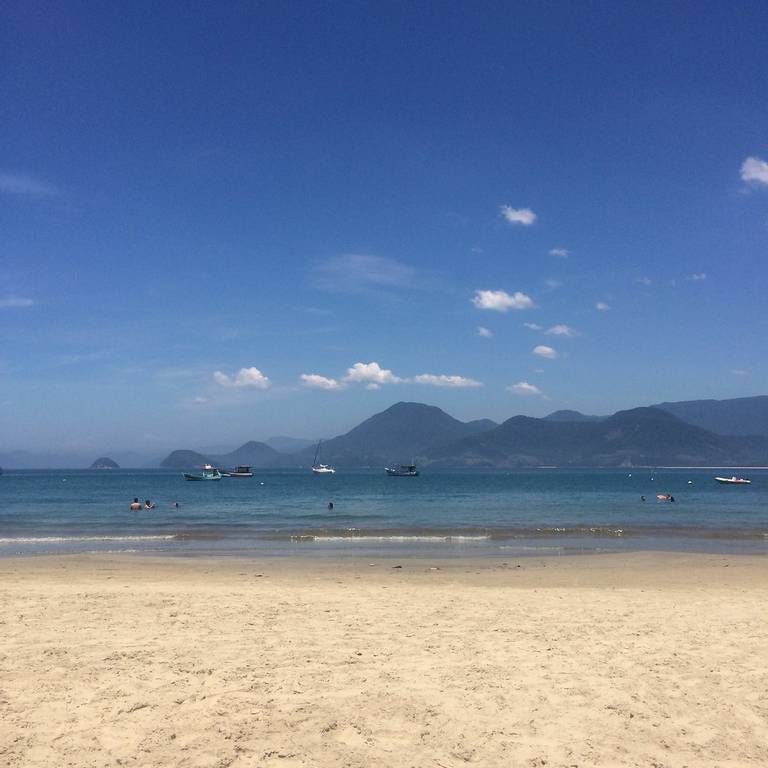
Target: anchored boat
x,y
209,473
404,470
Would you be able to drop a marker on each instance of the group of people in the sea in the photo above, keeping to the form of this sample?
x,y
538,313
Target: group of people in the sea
x,y
136,505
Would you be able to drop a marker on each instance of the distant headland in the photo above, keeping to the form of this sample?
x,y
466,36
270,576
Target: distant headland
x,y
104,463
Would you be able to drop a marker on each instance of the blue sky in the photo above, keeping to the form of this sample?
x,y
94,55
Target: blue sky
x,y
228,221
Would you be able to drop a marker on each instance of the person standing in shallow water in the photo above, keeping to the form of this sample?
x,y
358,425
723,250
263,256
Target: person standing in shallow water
x,y
330,506
135,504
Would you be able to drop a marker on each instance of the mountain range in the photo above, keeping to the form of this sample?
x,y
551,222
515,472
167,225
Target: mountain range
x,y
424,434
693,432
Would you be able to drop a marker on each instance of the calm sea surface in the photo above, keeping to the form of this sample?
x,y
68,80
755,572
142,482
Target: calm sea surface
x,y
442,513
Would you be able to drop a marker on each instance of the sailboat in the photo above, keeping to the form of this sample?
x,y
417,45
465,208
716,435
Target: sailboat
x,y
321,469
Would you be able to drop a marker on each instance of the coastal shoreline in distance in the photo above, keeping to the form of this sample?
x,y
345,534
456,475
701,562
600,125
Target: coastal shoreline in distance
x,y
621,659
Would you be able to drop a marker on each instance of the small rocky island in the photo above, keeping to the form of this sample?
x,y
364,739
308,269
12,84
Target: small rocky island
x,y
104,463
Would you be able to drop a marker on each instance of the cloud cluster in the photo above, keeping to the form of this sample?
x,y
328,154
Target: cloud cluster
x,y
524,388
524,216
562,330
561,252
754,171
373,376
501,301
697,276
544,351
446,381
601,306
484,332
244,378
315,381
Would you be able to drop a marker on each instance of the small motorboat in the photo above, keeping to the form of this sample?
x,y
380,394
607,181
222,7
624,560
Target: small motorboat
x,y
404,470
241,470
665,497
733,480
209,473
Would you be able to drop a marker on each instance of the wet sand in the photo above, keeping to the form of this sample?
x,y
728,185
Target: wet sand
x,y
614,660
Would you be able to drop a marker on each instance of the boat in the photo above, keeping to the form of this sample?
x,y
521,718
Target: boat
x,y
209,473
404,470
733,480
241,470
321,469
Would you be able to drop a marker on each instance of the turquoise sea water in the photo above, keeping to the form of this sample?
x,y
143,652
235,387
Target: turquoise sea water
x,y
442,513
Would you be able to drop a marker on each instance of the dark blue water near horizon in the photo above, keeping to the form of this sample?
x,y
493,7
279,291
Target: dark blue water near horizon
x,y
441,513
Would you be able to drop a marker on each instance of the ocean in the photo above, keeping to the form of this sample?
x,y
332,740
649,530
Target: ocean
x,y
441,513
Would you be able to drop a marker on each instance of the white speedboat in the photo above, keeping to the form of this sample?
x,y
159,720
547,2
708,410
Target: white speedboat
x,y
733,480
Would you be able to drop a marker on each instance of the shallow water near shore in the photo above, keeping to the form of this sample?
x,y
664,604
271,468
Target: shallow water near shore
x,y
441,513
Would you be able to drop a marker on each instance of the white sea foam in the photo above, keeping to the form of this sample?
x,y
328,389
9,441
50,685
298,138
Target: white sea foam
x,y
66,539
400,539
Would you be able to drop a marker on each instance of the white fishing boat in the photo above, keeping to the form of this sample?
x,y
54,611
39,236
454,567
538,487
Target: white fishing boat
x,y
321,469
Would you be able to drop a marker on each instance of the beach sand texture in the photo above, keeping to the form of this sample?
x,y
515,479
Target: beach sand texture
x,y
616,660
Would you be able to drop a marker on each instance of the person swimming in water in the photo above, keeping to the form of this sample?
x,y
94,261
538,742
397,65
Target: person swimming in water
x,y
330,505
148,504
135,504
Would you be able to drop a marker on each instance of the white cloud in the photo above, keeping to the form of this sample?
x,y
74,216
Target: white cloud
x,y
544,351
561,252
739,372
315,381
524,216
644,280
484,332
446,381
524,388
697,276
602,306
371,374
501,301
754,171
363,273
199,400
24,184
15,302
245,377
533,326
562,330
552,284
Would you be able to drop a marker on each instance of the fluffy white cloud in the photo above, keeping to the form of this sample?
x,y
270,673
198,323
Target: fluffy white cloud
x,y
524,216
446,381
245,377
544,351
697,276
23,184
15,302
484,332
562,330
561,252
533,326
524,388
371,374
602,306
315,381
501,301
754,171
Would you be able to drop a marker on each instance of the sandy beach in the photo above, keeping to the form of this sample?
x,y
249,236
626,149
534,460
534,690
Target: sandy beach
x,y
613,660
